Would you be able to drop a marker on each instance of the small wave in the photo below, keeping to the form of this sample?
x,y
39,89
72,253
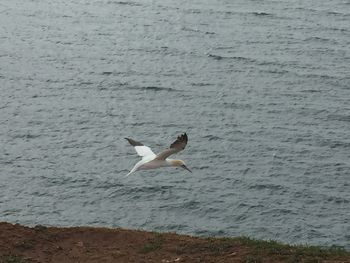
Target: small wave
x,y
219,57
266,186
25,136
338,200
193,11
320,39
261,14
319,76
219,155
170,125
245,171
310,91
278,211
192,204
268,63
107,73
150,189
276,71
339,29
234,105
86,83
204,167
140,124
339,144
124,3
216,57
334,13
338,117
153,88
197,31
156,88
212,138
201,84
225,13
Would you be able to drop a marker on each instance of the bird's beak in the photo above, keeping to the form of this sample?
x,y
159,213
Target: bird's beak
x,y
185,167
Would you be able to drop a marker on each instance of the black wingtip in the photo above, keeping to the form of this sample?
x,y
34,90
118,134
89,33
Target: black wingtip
x,y
183,136
180,142
133,142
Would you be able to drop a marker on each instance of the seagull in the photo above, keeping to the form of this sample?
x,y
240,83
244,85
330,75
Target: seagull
x,y
150,160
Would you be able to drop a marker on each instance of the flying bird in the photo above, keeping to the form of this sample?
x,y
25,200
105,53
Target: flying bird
x,y
150,160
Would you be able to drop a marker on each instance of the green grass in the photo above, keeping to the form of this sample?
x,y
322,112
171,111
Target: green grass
x,y
259,250
219,245
277,248
12,259
40,228
252,259
154,245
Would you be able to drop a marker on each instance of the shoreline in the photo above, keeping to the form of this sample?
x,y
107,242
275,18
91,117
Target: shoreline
x,y
22,244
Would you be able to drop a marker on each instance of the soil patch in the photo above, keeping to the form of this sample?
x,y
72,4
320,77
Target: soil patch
x,y
20,244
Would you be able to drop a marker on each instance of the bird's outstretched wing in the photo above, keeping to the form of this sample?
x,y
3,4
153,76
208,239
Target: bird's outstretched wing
x,y
141,149
175,147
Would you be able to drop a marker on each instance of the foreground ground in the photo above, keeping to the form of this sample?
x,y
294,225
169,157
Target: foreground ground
x,y
19,244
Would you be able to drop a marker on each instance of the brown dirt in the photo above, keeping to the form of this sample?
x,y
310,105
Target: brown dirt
x,y
19,244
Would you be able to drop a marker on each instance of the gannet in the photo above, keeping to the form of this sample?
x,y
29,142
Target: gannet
x,y
150,160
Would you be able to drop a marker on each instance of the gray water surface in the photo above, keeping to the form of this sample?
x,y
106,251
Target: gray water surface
x,y
262,88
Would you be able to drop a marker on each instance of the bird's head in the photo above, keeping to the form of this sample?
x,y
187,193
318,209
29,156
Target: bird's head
x,y
180,163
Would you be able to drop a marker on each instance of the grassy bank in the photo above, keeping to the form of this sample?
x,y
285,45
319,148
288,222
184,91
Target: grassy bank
x,y
19,244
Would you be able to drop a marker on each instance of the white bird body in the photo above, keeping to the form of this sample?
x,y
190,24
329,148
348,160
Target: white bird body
x,y
152,161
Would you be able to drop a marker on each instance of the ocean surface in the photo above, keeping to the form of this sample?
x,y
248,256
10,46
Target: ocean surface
x,y
262,89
